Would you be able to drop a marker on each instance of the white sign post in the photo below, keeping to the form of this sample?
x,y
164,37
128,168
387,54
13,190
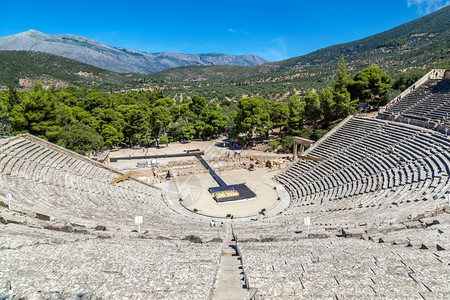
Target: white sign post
x,y
307,222
8,197
138,220
447,197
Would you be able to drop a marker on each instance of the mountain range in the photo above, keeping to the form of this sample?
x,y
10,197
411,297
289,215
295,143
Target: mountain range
x,y
418,45
117,59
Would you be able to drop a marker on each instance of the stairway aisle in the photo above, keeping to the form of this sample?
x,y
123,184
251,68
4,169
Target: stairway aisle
x,y
229,282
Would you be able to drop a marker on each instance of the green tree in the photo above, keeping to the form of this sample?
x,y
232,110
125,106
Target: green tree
x,y
296,114
251,117
279,113
13,97
198,114
216,121
182,126
327,104
80,138
81,115
167,102
135,123
104,121
287,142
4,103
111,136
370,85
159,119
181,129
175,112
343,104
274,144
38,114
95,99
198,106
312,107
164,140
342,80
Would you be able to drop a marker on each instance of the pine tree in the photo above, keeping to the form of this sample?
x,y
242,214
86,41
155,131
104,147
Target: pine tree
x,y
296,113
343,104
13,97
342,81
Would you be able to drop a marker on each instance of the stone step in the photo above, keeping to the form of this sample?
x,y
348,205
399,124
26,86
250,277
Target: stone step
x,y
229,282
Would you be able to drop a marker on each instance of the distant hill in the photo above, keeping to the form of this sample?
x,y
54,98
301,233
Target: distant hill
x,y
117,59
22,68
418,43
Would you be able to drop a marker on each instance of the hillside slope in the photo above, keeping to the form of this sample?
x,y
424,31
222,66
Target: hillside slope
x,y
22,68
415,44
117,59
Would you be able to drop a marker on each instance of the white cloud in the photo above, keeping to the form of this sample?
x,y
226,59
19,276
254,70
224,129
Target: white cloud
x,y
278,50
428,6
232,30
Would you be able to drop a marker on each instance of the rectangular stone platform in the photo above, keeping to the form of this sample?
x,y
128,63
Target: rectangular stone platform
x,y
243,192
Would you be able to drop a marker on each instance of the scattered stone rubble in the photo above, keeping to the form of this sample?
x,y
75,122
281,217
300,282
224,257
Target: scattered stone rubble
x,y
220,164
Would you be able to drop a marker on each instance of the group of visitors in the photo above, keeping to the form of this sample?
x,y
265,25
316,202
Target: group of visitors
x,y
433,75
214,224
95,153
393,101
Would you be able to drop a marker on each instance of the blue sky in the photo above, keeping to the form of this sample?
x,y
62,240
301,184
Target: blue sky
x,y
273,29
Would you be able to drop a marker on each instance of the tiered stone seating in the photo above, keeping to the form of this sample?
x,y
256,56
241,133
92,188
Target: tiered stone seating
x,y
45,179
376,175
343,269
431,100
64,265
370,164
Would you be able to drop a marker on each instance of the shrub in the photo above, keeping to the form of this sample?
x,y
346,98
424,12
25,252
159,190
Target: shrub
x,y
163,140
274,144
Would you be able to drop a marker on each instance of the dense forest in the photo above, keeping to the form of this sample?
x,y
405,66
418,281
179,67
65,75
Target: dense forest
x,y
83,119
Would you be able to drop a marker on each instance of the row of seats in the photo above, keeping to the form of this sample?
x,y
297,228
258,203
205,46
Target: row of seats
x,y
343,269
44,264
379,179
370,164
68,187
431,100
